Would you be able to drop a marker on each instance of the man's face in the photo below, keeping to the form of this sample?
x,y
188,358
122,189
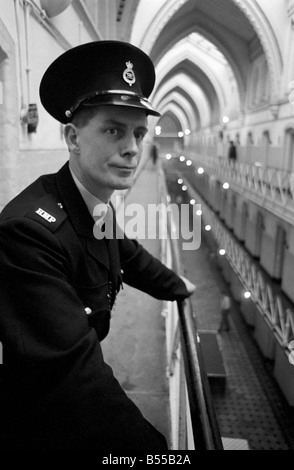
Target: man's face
x,y
109,149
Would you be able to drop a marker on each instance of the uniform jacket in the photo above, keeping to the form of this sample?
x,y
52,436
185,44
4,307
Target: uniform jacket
x,y
57,287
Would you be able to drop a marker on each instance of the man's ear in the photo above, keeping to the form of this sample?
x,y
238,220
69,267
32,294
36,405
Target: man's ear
x,y
71,135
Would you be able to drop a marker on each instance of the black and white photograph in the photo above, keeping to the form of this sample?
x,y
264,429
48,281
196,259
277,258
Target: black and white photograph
x,y
146,229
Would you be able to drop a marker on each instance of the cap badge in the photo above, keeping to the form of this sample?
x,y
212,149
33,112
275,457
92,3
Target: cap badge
x,y
129,75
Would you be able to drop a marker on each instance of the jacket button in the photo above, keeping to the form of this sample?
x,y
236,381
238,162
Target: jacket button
x,y
88,311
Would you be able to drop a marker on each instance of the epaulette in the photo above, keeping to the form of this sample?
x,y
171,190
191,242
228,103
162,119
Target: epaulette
x,y
48,212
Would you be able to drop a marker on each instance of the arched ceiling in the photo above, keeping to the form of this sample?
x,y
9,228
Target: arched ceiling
x,y
182,102
173,87
170,123
176,110
192,56
235,47
192,89
183,85
216,61
196,74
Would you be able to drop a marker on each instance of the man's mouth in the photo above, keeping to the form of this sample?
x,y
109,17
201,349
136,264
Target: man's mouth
x,y
125,168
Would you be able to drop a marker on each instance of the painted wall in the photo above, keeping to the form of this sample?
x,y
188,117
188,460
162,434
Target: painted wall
x,y
30,44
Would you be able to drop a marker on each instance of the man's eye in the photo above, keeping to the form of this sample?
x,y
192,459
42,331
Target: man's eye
x,y
113,132
139,135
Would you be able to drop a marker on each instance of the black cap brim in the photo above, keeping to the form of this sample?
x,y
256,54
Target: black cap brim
x,y
121,99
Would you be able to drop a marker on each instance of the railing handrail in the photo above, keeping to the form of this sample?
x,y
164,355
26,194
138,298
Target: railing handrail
x,y
203,418
261,183
204,423
274,308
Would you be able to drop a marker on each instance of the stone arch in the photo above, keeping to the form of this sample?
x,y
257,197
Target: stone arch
x,y
252,94
268,40
185,56
182,102
185,89
177,33
255,16
9,125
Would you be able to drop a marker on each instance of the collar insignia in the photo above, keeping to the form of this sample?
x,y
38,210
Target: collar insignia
x,y
46,216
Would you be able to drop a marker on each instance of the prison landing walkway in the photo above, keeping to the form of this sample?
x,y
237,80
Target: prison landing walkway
x,y
251,410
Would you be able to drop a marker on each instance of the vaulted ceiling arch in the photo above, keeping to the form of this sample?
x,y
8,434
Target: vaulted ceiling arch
x,y
180,100
177,30
195,74
176,91
193,90
235,26
185,57
192,104
170,121
177,111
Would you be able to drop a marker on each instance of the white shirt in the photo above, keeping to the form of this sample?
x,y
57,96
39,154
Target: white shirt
x,y
92,202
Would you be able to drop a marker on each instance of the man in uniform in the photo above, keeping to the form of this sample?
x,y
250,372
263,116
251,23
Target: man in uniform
x,y
58,282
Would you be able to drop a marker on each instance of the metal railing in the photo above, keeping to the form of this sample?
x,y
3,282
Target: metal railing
x,y
263,184
279,315
193,420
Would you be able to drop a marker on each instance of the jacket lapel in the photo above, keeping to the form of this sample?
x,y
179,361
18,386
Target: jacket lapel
x,y
79,216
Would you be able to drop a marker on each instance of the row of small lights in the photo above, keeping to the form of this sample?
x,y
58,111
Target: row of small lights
x,y
187,132
200,170
158,131
208,228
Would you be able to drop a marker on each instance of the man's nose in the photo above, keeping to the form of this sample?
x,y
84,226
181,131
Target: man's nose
x,y
129,147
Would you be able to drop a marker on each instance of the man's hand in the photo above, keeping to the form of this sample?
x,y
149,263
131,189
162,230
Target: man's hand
x,y
189,285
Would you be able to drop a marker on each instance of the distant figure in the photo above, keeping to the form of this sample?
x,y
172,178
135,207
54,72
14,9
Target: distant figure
x,y
154,154
179,199
232,155
225,312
